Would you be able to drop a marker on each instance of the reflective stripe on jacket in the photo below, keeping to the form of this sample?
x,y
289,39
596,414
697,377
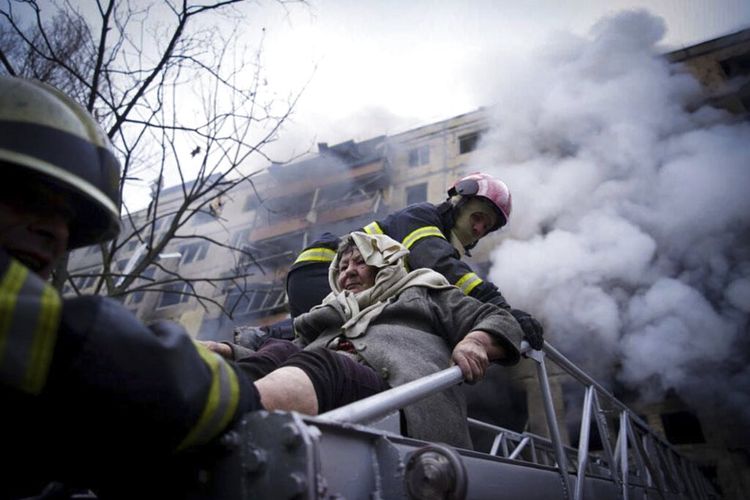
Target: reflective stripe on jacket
x,y
29,319
91,363
424,229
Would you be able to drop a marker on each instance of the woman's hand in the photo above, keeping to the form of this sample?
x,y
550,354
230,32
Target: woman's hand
x,y
470,354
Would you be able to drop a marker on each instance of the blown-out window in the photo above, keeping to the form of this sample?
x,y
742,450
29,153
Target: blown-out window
x,y
254,299
468,142
416,193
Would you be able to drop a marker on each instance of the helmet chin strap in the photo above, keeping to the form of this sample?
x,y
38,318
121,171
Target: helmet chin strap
x,y
456,242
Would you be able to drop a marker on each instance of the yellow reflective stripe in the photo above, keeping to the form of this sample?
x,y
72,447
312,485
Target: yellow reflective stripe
x,y
221,402
468,282
317,254
44,341
373,228
29,317
422,232
10,285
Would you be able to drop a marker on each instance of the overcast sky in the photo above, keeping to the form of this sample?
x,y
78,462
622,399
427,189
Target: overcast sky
x,y
387,66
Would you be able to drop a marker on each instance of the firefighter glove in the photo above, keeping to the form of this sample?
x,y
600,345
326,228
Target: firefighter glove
x,y
533,333
251,337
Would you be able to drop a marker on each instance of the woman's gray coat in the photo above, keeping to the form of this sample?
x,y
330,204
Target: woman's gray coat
x,y
413,337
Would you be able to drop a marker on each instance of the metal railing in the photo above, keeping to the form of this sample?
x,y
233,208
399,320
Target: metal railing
x,y
638,458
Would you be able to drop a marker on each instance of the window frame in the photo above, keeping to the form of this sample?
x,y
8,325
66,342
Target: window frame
x,y
194,251
469,142
177,289
419,155
410,190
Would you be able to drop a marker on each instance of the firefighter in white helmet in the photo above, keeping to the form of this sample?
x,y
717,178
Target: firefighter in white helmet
x,y
91,397
437,236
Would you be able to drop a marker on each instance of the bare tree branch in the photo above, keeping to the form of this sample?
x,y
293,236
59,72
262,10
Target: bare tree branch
x,y
131,63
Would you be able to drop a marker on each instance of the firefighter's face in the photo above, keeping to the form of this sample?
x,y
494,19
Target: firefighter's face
x,y
354,274
482,222
34,226
475,219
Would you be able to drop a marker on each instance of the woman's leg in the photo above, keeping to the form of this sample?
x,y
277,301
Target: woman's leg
x,y
317,381
270,356
288,389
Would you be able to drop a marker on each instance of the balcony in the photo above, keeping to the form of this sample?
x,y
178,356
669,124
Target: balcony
x,y
308,184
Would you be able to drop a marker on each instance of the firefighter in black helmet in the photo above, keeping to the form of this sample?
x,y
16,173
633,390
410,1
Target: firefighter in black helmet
x,y
91,397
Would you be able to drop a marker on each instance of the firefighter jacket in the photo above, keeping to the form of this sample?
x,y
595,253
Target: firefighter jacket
x,y
91,394
424,229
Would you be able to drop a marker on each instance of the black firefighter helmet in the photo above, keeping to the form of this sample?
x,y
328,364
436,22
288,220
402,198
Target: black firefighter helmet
x,y
47,137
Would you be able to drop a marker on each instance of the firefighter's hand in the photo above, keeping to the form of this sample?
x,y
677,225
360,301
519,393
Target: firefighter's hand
x,y
218,347
470,354
533,332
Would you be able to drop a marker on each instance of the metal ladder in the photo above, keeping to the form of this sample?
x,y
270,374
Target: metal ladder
x,y
357,451
639,458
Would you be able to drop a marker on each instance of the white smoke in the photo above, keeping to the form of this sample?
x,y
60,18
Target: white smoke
x,y
630,236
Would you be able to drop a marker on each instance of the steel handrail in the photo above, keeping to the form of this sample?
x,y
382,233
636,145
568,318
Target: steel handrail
x,y
381,404
375,407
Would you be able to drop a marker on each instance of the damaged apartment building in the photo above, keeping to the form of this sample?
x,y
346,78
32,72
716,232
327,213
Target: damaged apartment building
x,y
274,215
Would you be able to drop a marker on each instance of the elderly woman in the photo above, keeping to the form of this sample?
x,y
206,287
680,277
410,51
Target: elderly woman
x,y
381,327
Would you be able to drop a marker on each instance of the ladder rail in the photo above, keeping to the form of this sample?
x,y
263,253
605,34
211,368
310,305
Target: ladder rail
x,y
583,441
602,427
669,472
551,416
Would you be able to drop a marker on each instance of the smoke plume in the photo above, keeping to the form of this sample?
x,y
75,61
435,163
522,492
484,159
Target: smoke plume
x,y
630,236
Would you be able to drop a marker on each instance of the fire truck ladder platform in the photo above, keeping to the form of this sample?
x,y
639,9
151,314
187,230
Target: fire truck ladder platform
x,y
357,452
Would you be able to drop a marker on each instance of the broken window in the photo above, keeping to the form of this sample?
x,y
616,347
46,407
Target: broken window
x,y
682,427
736,66
416,193
283,207
468,142
255,299
419,156
275,252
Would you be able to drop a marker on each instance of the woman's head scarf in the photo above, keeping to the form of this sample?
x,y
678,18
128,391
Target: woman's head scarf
x,y
388,256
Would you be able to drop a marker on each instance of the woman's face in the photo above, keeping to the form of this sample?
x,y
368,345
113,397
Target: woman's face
x,y
354,274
